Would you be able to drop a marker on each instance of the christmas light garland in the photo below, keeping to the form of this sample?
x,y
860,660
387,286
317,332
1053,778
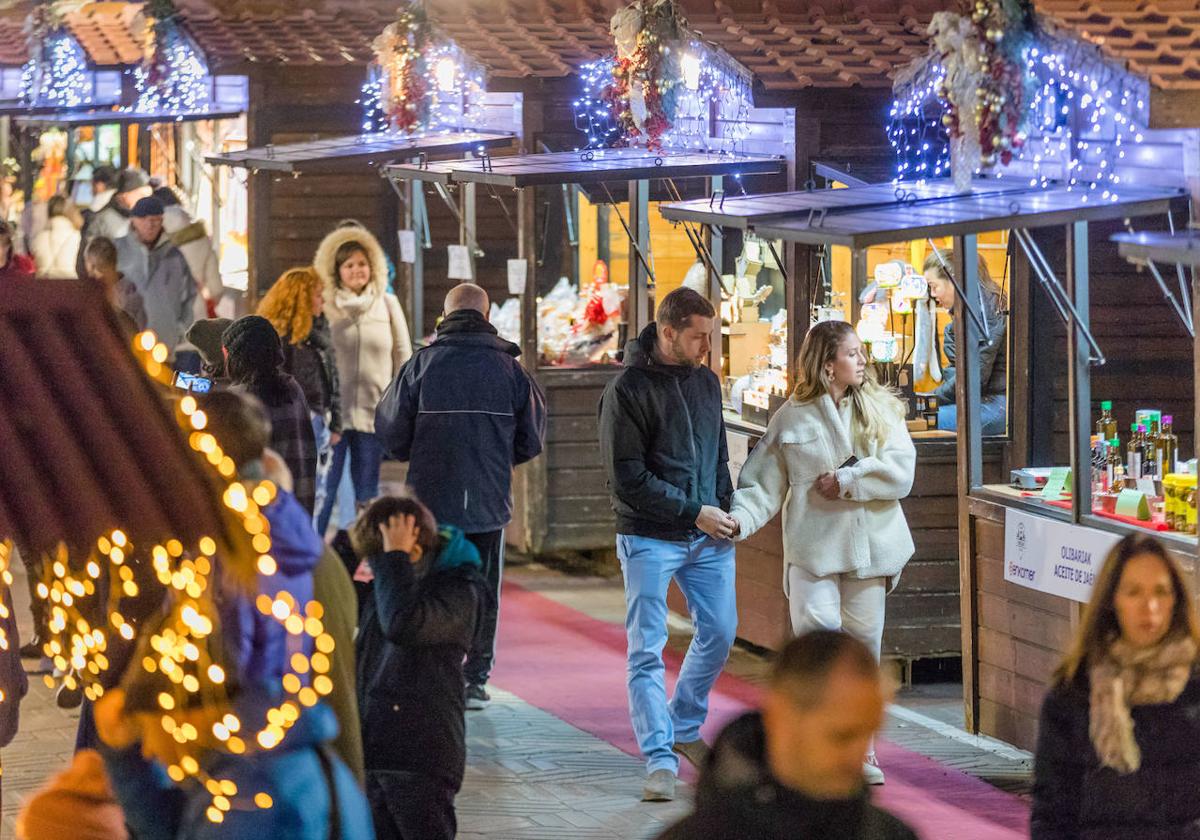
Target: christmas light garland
x,y
174,78
56,74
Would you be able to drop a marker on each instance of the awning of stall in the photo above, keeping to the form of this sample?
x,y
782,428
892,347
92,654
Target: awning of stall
x,y
1182,247
909,216
374,149
588,167
856,170
745,212
84,119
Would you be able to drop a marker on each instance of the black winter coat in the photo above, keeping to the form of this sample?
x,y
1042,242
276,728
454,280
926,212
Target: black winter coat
x,y
463,413
413,634
313,364
1074,798
737,798
662,440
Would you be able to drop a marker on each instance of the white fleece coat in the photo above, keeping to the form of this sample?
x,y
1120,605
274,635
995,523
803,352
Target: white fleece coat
x,y
55,248
864,532
370,332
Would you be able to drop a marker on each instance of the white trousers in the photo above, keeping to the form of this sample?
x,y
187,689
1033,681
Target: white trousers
x,y
837,602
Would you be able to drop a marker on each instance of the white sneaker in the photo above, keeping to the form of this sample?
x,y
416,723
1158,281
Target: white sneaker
x,y
872,775
660,786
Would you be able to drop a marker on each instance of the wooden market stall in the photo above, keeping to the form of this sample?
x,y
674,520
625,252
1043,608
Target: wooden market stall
x,y
560,500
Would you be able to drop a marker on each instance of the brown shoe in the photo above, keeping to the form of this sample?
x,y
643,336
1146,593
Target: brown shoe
x,y
695,752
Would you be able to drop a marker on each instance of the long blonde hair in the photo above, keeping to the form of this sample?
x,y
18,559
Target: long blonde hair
x,y
288,304
876,407
1100,628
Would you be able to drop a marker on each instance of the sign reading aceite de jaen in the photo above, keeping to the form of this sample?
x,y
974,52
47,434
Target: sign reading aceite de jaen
x,y
1054,557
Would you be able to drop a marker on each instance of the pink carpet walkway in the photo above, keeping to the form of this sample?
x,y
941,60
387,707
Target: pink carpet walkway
x,y
573,666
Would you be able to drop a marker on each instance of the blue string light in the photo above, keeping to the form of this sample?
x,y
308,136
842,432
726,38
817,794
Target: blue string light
x,y
57,76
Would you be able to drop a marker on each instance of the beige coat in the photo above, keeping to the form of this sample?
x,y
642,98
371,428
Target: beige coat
x,y
862,533
55,248
370,332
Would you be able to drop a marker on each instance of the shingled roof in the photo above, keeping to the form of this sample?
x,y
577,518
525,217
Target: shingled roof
x,y
89,442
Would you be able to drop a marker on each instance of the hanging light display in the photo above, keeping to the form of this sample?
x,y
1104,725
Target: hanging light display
x,y
663,88
1079,114
173,78
56,75
420,81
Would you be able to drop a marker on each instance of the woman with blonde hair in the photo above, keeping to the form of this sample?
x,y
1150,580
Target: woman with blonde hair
x,y
836,459
295,306
1116,754
370,335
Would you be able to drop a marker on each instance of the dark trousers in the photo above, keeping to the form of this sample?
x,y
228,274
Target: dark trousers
x,y
483,649
411,806
33,576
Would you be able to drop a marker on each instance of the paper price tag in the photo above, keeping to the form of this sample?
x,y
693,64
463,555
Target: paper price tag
x,y
460,262
518,271
408,246
1058,484
1132,503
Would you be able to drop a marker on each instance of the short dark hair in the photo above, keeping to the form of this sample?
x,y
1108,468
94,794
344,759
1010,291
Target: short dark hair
x,y
240,424
803,666
167,196
104,174
101,250
364,533
677,308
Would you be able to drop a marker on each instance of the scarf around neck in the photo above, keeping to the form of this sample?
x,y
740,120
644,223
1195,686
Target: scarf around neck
x,y
355,305
1128,677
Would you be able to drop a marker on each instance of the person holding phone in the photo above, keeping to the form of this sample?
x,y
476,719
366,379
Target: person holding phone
x,y
837,459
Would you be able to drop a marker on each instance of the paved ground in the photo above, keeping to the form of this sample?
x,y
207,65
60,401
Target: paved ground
x,y
532,776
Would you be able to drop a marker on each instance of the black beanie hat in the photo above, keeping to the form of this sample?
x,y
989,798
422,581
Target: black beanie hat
x,y
252,344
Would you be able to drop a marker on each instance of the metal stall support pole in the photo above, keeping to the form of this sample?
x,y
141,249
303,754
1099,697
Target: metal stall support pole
x,y
527,250
1196,392
414,213
470,227
858,282
970,465
716,247
641,312
1079,371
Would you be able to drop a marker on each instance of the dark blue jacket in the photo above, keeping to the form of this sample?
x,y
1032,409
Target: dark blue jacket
x,y
463,413
293,775
662,439
416,627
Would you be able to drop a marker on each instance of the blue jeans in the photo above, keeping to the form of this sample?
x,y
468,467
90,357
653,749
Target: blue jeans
x,y
324,456
993,415
365,452
704,570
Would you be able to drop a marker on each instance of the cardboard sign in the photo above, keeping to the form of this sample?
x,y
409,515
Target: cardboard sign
x,y
1057,485
1132,503
739,451
1054,557
408,246
460,262
518,270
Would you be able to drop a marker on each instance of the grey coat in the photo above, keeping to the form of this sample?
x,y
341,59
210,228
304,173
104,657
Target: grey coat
x,y
162,278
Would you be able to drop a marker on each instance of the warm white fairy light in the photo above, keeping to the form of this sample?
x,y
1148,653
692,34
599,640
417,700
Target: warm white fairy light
x,y
57,75
176,80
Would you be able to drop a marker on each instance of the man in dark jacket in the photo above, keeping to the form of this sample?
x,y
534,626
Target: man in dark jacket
x,y
795,769
662,438
463,413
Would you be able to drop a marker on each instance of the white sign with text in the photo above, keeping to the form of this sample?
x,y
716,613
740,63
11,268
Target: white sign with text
x,y
408,246
1053,557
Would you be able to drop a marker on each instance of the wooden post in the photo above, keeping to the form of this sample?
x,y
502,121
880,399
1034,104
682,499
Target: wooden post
x,y
527,250
1079,373
642,312
970,465
716,247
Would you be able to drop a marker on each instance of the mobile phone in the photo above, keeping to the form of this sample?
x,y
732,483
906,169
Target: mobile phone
x,y
192,382
850,462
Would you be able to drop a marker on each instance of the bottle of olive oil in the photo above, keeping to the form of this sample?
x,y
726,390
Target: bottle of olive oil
x,y
1168,446
1114,471
1133,459
1106,426
1150,461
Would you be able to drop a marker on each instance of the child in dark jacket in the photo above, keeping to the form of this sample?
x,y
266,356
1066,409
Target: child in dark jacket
x,y
416,626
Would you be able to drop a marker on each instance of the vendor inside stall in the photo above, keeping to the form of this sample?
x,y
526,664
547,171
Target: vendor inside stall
x,y
992,348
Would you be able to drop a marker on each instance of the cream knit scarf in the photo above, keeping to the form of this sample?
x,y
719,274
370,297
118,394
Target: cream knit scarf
x,y
1129,677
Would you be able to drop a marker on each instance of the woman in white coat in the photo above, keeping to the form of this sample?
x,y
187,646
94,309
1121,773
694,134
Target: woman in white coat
x,y
836,458
57,244
371,342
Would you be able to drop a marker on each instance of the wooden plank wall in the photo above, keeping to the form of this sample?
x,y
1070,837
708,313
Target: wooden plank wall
x,y
1021,637
290,215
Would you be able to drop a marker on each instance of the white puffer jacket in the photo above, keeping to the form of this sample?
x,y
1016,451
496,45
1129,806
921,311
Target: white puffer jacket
x,y
370,332
55,248
863,532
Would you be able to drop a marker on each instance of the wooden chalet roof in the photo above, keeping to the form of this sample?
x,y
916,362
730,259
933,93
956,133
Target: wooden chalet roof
x,y
109,32
89,442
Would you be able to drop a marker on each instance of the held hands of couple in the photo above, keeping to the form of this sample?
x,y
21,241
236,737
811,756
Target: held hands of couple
x,y
400,533
717,523
827,485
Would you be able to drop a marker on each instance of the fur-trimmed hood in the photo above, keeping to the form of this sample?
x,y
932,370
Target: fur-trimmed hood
x,y
327,251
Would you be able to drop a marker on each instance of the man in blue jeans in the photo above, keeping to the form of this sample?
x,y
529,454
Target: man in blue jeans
x,y
662,436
